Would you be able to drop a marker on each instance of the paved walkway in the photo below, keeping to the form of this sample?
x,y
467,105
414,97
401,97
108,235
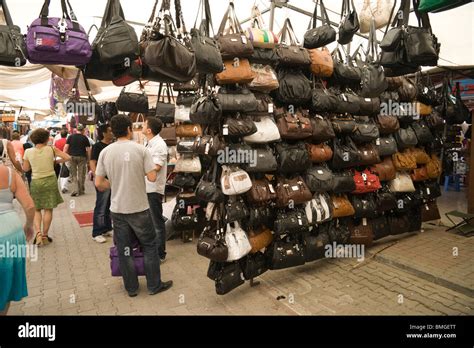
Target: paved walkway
x,y
72,276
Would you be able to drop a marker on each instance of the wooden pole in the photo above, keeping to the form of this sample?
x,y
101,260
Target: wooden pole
x,y
470,197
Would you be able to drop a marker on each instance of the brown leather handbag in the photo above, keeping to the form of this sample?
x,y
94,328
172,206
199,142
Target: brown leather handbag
x,y
424,109
387,124
236,71
188,130
368,154
169,135
262,192
319,153
322,64
322,129
419,174
385,169
292,191
361,232
265,78
294,126
404,161
420,155
341,206
434,167
260,239
430,211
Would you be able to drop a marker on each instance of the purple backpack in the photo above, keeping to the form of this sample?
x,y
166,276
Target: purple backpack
x,y
51,40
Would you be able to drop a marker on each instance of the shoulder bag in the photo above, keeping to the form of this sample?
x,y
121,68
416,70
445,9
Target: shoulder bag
x,y
345,72
291,191
294,126
366,182
207,189
430,211
322,64
404,160
264,161
319,209
265,78
387,124
319,153
211,243
344,124
166,110
315,245
186,164
284,254
240,126
210,145
12,43
229,277
260,239
343,182
236,71
257,35
319,179
261,192
294,88
454,112
87,109
402,183
322,100
385,200
206,110
290,53
291,222
237,242
292,158
321,129
434,167
422,132
421,157
361,232
188,130
236,210
365,132
364,206
267,131
405,138
238,99
342,207
319,36
345,155
435,121
133,102
368,154
254,265
385,170
234,181
380,227
349,24
386,146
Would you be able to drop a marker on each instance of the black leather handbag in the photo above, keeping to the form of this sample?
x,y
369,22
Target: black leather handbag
x,y
385,200
345,154
86,108
426,92
319,36
369,106
240,126
290,53
292,158
349,24
184,180
236,210
319,179
343,182
265,161
347,103
428,190
185,146
165,109
182,221
322,100
294,89
365,132
133,102
229,277
254,265
265,56
345,74
314,244
260,216
454,112
422,132
364,206
405,138
285,253
380,227
291,222
12,44
386,146
344,124
237,99
206,110
211,242
338,231
407,202
207,189
185,99
322,129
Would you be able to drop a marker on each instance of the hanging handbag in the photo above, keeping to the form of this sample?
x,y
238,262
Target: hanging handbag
x,y
292,158
341,206
289,52
257,35
206,110
261,192
12,44
294,89
320,36
137,130
435,121
321,129
345,155
408,202
319,153
365,132
291,192
186,164
349,24
260,216
260,239
385,200
206,49
138,261
234,181
322,64
348,103
422,132
265,56
183,180
267,131
405,138
210,145
264,161
361,232
87,109
315,245
430,211
188,86
230,276
380,227
319,209
364,206
188,130
291,222
181,113
265,78
265,104
294,126
323,100
343,182
454,111
404,160
254,265
238,99
434,167
345,73
236,209
52,40
133,102
239,126
385,170
236,71
428,190
386,146
366,182
369,106
402,183
407,90
169,135
387,124
419,174
166,110
207,189
381,13
185,99
319,179
344,124
368,155
421,157
233,42
237,242
284,254
426,92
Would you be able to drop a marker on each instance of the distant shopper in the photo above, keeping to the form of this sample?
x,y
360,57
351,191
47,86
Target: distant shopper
x,y
122,167
60,143
156,190
78,147
13,233
7,151
17,147
44,187
102,222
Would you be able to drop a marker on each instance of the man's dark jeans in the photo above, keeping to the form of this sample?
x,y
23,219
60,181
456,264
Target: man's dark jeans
x,y
156,209
127,228
102,220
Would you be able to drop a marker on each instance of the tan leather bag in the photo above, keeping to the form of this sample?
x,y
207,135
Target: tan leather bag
x,y
260,239
424,109
341,206
420,155
262,191
419,174
188,130
434,167
385,170
404,161
322,64
236,71
319,153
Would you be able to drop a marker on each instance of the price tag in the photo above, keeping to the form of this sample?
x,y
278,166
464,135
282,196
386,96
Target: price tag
x,y
270,108
364,222
428,190
368,100
365,153
295,188
225,130
300,222
244,39
426,207
206,151
270,186
320,171
377,141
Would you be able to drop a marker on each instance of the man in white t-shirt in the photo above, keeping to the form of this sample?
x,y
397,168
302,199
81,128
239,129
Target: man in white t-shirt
x,y
156,190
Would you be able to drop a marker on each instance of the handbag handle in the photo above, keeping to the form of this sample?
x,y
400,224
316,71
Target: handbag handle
x,y
346,7
6,13
45,9
113,9
230,17
257,18
138,118
168,92
324,15
288,29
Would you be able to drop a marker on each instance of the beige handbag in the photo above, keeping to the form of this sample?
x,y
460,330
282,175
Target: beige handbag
x,y
380,12
234,181
267,131
402,183
137,128
188,164
265,79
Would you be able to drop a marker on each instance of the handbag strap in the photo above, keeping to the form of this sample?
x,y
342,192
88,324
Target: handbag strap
x,y
113,9
6,13
257,18
287,29
180,25
324,15
230,17
169,94
372,49
153,12
346,7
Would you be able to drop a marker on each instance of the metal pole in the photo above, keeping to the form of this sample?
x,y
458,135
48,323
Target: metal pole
x,y
272,14
470,198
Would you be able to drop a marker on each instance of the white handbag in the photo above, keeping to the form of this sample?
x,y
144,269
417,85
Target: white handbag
x,y
181,113
267,132
237,242
402,183
379,10
319,209
186,164
137,128
234,181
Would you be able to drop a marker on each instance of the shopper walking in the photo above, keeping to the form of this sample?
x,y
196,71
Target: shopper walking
x,y
78,147
122,167
13,234
102,221
156,190
17,147
44,187
7,151
60,143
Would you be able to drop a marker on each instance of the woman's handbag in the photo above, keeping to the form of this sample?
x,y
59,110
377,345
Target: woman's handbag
x,y
345,155
166,110
319,209
210,145
234,181
291,192
211,243
260,37
347,103
434,167
292,158
322,100
181,113
343,182
322,64
421,157
137,130
138,261
404,160
239,126
237,242
291,222
349,24
294,126
265,78
261,192
188,130
264,161
86,109
229,277
260,239
387,124
386,146
207,189
402,183
341,206
345,73
428,190
453,109
233,42
366,182
364,206
239,99
315,245
430,211
290,53
365,132
385,200
319,36
405,138
206,110
294,89
385,170
381,12
186,164
321,129
422,132
361,232
368,155
319,179
12,43
254,265
284,254
435,121
344,124
183,180
133,102
319,153
236,71
169,135
260,215
267,131
419,174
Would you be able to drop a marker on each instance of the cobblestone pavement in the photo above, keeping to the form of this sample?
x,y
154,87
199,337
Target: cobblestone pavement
x,y
72,276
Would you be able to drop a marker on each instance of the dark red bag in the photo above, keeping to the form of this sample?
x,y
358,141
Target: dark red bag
x,y
366,182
